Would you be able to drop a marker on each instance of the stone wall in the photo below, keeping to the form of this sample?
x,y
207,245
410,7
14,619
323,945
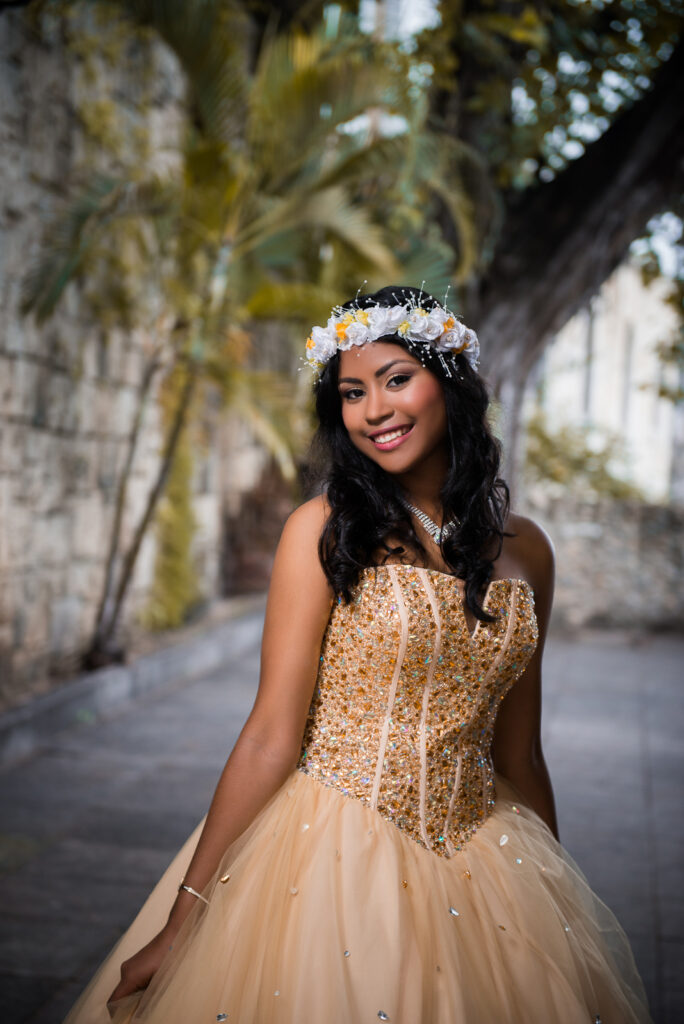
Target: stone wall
x,y
67,390
618,564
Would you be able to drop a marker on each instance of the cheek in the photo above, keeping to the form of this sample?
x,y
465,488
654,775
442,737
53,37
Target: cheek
x,y
428,399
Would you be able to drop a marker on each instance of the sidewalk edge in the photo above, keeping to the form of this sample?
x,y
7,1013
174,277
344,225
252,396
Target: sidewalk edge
x,y
93,696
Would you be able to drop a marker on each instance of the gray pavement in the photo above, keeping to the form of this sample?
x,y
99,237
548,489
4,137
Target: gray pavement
x,y
90,822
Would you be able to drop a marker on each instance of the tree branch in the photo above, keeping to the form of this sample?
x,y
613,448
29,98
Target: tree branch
x,y
561,241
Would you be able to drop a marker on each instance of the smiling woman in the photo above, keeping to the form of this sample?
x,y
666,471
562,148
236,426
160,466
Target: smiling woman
x,y
444,463
386,815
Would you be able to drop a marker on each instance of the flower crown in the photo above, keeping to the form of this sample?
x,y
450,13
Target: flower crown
x,y
436,327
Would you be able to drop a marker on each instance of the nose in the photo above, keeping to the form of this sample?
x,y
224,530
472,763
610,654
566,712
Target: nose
x,y
377,406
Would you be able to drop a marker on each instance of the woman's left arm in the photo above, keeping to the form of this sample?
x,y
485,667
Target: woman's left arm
x,y
517,748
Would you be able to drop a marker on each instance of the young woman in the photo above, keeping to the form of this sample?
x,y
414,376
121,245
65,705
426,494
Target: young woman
x,y
381,843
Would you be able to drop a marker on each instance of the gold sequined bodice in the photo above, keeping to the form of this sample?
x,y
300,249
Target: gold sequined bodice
x,y
403,711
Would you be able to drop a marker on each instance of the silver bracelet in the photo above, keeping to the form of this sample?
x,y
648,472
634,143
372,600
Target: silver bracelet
x,y
193,892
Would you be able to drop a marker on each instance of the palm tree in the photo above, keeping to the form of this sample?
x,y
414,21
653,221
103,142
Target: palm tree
x,y
278,208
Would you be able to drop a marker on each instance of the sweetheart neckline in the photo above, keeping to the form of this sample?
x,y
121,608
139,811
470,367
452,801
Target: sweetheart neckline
x,y
474,633
449,576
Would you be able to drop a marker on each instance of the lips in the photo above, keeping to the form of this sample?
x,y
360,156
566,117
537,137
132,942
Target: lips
x,y
387,440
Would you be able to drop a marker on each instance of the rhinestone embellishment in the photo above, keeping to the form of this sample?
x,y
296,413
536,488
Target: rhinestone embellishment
x,y
362,730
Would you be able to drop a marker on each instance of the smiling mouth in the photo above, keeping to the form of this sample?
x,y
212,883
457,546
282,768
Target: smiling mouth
x,y
391,438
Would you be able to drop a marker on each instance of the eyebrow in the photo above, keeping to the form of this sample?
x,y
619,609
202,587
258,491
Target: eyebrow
x,y
378,373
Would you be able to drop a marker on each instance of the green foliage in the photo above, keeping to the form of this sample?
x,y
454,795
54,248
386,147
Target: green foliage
x,y
532,86
567,458
660,256
174,590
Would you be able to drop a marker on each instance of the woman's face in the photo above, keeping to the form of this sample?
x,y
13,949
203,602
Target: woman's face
x,y
393,408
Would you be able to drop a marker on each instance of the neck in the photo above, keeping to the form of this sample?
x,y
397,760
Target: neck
x,y
423,485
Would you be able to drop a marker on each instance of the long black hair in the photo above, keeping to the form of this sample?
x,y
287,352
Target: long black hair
x,y
365,501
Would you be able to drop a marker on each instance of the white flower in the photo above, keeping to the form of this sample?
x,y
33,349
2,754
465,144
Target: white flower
x,y
433,325
472,349
436,327
322,345
417,318
453,337
395,317
379,322
356,334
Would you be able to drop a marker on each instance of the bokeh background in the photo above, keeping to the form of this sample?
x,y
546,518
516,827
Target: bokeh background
x,y
186,187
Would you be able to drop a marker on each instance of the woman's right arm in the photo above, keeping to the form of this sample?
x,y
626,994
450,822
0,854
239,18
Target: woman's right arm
x,y
267,750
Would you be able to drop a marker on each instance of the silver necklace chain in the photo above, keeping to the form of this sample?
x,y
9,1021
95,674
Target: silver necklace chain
x,y
438,533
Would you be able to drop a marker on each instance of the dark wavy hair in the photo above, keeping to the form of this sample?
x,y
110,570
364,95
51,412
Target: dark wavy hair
x,y
365,501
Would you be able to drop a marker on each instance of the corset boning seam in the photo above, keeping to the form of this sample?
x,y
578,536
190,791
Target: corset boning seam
x,y
422,728
401,654
485,758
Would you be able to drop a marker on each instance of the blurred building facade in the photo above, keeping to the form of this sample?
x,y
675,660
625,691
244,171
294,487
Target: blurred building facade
x,y
620,561
604,372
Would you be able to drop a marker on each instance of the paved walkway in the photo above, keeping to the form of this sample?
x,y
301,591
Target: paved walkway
x,y
89,824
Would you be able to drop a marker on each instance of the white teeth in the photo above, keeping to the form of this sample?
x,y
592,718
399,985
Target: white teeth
x,y
391,436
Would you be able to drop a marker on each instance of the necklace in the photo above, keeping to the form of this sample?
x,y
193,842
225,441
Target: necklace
x,y
436,532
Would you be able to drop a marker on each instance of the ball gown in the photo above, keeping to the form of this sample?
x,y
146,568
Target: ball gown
x,y
393,876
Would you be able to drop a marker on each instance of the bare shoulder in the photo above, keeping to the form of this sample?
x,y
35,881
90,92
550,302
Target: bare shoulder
x,y
311,516
529,539
298,547
528,554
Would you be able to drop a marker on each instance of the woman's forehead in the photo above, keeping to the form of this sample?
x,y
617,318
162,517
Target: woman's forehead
x,y
369,358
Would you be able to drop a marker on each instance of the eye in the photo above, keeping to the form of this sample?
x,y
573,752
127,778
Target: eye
x,y
350,394
397,379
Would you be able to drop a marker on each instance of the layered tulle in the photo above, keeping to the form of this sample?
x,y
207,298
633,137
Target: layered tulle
x,y
331,914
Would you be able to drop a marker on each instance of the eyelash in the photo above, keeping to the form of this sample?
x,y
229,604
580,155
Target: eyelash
x,y
353,393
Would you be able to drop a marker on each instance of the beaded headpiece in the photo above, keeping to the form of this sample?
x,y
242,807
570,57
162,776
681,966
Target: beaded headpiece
x,y
437,328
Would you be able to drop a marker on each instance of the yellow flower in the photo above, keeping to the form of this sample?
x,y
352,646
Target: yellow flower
x,y
448,324
362,316
403,327
341,330
310,342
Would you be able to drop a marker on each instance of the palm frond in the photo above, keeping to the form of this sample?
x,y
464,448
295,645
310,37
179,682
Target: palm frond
x,y
263,400
292,300
329,210
304,90
211,40
428,263
72,235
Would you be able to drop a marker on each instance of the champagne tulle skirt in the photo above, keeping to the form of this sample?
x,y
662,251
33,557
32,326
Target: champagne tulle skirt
x,y
332,915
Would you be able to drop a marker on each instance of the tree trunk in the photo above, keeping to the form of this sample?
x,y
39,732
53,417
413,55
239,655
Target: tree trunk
x,y
561,242
122,490
97,654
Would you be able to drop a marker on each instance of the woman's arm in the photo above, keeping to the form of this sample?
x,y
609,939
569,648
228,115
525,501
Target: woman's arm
x,y
268,747
517,748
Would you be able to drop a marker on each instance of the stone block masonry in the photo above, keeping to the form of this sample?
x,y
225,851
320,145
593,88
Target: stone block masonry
x,y
618,563
67,393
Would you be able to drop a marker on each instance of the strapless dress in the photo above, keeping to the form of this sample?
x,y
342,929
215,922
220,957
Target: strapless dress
x,y
393,876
